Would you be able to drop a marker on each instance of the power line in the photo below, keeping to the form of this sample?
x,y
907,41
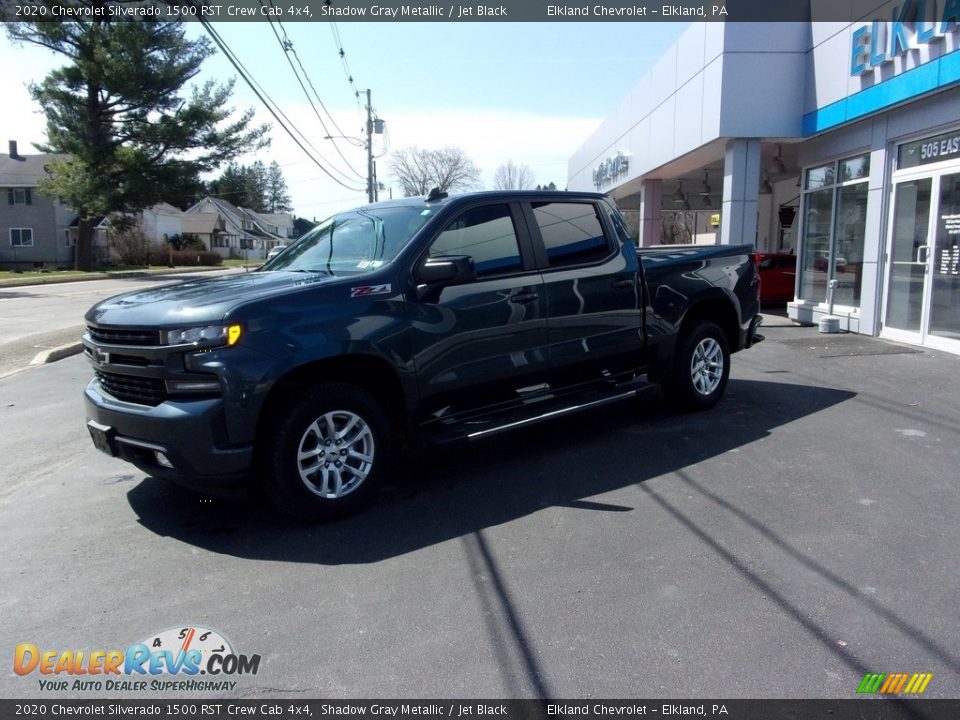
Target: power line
x,y
371,111
343,57
294,51
343,60
386,142
287,46
270,104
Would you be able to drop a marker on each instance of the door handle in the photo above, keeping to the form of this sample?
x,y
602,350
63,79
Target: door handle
x,y
524,296
620,284
925,251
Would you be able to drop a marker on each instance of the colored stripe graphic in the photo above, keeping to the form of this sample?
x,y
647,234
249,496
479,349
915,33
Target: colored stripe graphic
x,y
895,683
871,682
923,679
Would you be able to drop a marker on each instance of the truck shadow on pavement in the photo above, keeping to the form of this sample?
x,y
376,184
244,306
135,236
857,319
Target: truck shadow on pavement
x,y
442,494
460,494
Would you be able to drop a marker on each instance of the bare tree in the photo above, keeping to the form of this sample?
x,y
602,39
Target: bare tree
x,y
513,176
419,171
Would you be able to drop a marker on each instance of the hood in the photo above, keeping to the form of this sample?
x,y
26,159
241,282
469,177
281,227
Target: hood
x,y
198,301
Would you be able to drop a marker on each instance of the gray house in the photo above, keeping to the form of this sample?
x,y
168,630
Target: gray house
x,y
34,229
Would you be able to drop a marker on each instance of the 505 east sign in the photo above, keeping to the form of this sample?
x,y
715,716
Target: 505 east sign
x,y
915,23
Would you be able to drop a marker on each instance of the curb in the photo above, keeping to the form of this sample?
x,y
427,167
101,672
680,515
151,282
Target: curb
x,y
57,353
112,275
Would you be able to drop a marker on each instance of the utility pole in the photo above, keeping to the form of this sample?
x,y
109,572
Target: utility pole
x,y
370,179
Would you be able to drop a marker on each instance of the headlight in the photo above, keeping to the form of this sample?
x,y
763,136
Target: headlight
x,y
208,336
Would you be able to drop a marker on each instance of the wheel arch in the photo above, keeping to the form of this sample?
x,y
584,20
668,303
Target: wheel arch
x,y
367,372
718,310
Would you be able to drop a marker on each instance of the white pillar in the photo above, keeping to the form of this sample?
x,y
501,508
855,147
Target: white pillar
x,y
741,183
651,205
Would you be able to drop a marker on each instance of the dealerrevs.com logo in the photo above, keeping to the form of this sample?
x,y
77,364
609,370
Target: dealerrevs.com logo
x,y
179,659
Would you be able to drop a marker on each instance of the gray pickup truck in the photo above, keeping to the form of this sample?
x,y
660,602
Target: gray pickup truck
x,y
431,319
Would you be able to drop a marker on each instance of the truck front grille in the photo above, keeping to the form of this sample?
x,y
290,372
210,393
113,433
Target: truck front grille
x,y
132,389
124,336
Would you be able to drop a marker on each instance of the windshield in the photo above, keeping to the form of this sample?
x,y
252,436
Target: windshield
x,y
358,241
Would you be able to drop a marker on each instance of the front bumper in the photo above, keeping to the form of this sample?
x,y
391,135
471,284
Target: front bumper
x,y
190,434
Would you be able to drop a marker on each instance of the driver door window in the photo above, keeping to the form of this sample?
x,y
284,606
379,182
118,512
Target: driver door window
x,y
487,235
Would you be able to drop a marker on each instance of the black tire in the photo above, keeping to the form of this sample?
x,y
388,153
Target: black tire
x,y
314,431
696,382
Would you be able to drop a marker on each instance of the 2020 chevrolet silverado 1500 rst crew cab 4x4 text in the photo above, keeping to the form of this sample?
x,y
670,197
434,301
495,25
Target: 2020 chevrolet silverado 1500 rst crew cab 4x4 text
x,y
433,318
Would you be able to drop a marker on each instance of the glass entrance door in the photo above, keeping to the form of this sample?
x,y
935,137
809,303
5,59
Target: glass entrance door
x,y
945,273
909,255
923,281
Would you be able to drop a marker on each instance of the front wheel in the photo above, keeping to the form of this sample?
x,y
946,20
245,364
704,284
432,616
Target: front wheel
x,y
326,454
701,367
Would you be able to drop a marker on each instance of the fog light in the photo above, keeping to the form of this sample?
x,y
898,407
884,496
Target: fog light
x,y
162,460
193,386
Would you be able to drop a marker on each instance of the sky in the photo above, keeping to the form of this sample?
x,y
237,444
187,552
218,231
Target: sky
x,y
526,92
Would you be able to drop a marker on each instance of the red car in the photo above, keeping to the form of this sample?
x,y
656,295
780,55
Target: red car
x,y
778,273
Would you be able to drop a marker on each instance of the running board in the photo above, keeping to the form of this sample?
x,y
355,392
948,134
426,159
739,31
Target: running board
x,y
552,414
512,420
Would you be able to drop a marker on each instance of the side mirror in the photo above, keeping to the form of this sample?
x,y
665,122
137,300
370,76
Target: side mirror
x,y
447,270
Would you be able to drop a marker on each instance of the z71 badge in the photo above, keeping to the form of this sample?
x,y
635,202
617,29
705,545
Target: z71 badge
x,y
364,290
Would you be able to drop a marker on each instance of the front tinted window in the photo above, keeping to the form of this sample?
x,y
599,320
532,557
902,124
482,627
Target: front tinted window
x,y
354,242
572,233
487,235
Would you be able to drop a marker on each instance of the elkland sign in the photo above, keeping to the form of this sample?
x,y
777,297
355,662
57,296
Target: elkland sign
x,y
611,169
915,23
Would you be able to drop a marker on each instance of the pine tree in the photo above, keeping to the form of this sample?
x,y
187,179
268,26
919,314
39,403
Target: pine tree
x,y
117,110
277,196
231,185
255,184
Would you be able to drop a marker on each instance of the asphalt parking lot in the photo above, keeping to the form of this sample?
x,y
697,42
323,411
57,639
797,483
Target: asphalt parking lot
x,y
801,534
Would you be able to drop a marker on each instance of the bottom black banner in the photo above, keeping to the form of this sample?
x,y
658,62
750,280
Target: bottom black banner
x,y
859,709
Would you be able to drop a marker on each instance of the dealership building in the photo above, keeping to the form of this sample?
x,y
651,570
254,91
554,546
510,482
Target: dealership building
x,y
838,142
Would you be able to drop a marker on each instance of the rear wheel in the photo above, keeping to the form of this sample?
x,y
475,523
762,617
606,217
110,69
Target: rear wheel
x,y
327,453
701,367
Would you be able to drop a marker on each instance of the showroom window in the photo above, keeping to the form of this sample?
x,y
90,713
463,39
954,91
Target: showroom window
x,y
834,227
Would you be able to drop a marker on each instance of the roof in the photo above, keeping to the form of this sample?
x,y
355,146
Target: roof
x,y
284,219
222,206
236,216
200,223
505,195
25,170
165,208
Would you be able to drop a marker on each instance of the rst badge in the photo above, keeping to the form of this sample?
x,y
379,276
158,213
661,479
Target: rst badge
x,y
365,290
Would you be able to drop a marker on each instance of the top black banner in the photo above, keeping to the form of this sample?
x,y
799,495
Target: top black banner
x,y
438,11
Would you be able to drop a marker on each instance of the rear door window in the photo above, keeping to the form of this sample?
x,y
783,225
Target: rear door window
x,y
572,233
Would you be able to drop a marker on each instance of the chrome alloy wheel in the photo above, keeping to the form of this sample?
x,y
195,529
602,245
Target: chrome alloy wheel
x,y
706,366
335,454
